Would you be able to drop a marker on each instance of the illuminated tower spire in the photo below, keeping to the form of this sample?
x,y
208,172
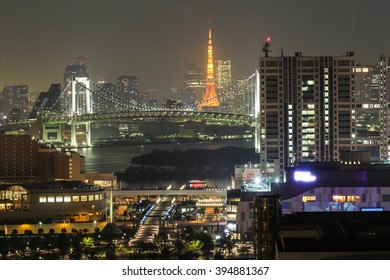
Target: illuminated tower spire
x,y
210,98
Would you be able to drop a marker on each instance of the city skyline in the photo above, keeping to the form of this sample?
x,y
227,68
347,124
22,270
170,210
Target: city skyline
x,y
154,41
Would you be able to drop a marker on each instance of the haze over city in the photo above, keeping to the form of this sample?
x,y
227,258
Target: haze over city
x,y
195,130
155,39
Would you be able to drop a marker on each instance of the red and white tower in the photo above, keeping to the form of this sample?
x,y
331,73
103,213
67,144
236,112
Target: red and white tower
x,y
210,98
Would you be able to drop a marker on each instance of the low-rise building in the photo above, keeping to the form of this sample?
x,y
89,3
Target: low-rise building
x,y
71,201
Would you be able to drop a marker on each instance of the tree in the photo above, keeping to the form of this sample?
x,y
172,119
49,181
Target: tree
x,y
179,246
110,251
216,211
76,253
162,238
63,244
201,211
207,243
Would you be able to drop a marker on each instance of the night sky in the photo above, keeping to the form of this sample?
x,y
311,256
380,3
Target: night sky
x,y
153,39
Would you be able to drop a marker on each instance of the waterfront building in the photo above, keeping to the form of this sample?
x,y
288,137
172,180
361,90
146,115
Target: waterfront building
x,y
306,109
26,160
54,201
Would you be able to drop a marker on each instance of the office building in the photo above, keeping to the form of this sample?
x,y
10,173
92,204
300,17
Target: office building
x,y
371,95
305,110
105,99
15,97
223,74
128,88
194,84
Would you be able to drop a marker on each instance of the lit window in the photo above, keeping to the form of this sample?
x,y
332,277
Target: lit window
x,y
50,199
59,199
83,198
76,198
338,198
308,198
90,197
67,198
353,198
42,199
96,197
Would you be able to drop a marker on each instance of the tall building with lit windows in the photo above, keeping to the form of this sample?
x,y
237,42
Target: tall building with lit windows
x,y
15,97
306,109
223,74
128,87
266,214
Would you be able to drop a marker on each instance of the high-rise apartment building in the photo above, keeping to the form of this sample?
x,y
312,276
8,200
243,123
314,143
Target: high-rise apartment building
x,y
223,74
306,109
25,159
19,158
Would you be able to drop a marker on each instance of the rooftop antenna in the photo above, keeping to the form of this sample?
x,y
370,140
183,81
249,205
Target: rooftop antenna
x,y
266,46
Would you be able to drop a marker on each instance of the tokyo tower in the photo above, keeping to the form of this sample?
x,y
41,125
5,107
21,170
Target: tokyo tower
x,y
210,98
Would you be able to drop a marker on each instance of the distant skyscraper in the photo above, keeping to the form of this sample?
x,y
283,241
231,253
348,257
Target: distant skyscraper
x,y
223,74
106,104
128,87
82,98
80,60
47,102
210,99
16,97
305,109
194,81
